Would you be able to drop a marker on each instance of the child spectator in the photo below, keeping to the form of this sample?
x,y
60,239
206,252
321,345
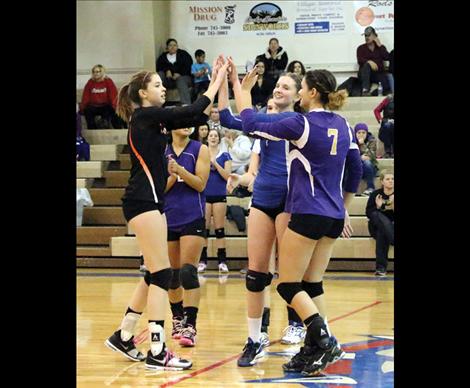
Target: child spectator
x,y
368,148
200,71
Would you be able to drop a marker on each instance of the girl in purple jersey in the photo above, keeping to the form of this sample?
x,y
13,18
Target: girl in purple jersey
x,y
320,144
140,104
216,199
184,208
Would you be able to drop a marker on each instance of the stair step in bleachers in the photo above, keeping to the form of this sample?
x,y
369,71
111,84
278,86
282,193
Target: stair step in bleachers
x,y
98,235
125,161
91,169
84,183
355,248
116,178
362,103
105,152
94,251
105,136
106,196
97,215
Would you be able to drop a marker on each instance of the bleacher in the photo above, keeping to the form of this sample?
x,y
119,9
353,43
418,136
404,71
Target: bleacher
x,y
106,241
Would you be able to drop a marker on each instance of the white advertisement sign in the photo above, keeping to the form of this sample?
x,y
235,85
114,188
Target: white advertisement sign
x,y
378,14
314,17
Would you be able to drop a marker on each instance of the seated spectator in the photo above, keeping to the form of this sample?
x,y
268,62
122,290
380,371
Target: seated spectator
x,y
275,59
296,67
83,148
99,99
200,71
200,134
380,212
387,124
239,147
263,87
370,57
214,118
174,68
368,148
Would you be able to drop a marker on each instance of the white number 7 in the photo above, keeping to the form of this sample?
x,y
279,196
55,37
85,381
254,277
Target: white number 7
x,y
334,133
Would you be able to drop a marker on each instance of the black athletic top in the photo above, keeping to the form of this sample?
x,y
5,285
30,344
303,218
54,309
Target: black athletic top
x,y
147,140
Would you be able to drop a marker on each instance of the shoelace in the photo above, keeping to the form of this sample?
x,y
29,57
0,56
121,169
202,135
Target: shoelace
x,y
188,330
290,330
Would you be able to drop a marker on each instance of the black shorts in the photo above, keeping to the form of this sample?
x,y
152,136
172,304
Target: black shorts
x,y
315,227
216,198
194,228
132,208
271,212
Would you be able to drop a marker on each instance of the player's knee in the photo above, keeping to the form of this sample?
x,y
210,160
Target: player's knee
x,y
289,290
175,279
161,278
220,233
255,281
189,279
312,289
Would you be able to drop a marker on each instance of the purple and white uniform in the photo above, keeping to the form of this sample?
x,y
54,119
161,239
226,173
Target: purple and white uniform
x,y
183,204
319,143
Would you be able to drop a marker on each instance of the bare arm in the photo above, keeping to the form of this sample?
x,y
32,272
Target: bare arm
x,y
170,182
223,171
198,180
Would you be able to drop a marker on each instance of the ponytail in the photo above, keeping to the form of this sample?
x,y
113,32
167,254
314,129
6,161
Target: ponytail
x,y
124,107
337,99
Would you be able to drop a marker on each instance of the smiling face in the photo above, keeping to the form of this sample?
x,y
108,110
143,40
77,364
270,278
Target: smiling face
x,y
155,93
285,93
213,138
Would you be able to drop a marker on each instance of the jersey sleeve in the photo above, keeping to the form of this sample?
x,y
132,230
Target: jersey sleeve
x,y
228,120
291,128
256,146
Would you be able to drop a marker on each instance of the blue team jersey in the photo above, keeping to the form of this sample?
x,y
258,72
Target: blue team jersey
x,y
183,204
270,188
319,143
216,184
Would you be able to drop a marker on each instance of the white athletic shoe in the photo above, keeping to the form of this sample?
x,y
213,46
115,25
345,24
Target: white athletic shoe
x,y
201,267
293,335
264,339
223,267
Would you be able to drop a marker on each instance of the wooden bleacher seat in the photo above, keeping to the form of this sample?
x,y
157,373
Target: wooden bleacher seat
x,y
91,169
105,152
105,136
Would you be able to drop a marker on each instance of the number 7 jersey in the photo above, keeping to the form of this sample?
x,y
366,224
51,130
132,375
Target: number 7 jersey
x,y
319,143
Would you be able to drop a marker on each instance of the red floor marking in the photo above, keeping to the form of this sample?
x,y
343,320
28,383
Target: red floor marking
x,y
359,347
231,358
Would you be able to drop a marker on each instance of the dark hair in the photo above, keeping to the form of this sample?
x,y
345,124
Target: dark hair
x,y
290,67
129,93
171,40
218,134
325,83
199,52
270,40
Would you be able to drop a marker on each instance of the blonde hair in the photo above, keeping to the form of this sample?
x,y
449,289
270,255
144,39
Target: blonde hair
x,y
337,99
385,172
129,94
98,66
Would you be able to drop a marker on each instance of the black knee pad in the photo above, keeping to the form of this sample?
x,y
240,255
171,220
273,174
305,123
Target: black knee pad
x,y
147,278
220,233
161,278
312,289
289,290
255,281
269,279
189,279
175,279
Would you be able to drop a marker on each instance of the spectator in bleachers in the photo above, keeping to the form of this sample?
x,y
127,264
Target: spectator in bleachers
x,y
83,148
391,71
296,67
99,99
368,148
174,68
200,134
214,119
200,71
370,57
216,199
263,87
275,59
380,212
387,124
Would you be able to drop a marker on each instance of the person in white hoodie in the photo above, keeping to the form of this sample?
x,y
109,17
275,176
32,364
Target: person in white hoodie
x,y
239,147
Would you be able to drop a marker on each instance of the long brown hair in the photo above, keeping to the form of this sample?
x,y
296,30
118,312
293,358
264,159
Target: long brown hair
x,y
129,94
325,83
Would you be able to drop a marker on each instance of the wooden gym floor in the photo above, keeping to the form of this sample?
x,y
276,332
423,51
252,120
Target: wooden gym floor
x,y
360,316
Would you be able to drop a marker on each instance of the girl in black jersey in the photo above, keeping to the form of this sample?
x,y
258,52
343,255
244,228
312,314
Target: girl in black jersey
x,y
140,104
